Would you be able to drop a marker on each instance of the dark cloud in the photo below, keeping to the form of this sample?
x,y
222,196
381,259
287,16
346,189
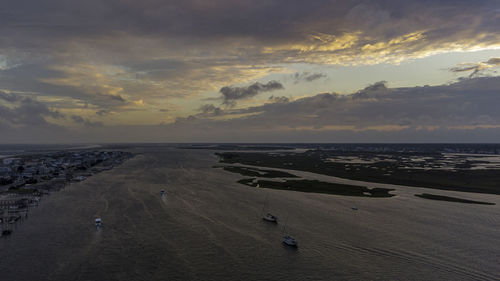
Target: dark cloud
x,y
465,105
136,33
77,119
85,122
231,95
224,17
117,97
494,61
9,97
476,68
307,77
102,112
465,111
27,112
277,99
210,109
107,54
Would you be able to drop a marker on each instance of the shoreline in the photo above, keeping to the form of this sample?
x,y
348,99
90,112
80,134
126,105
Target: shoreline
x,y
399,190
481,181
17,198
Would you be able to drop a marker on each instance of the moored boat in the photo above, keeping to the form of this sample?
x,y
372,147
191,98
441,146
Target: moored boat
x,y
290,241
270,218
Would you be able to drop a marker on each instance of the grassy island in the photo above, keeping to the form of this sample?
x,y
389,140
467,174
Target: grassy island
x,y
411,169
316,186
450,199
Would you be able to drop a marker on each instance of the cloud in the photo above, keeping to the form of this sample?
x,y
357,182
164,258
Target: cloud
x,y
464,111
373,112
157,34
103,55
494,61
102,112
9,97
277,99
476,68
210,109
307,77
77,119
85,122
27,112
231,95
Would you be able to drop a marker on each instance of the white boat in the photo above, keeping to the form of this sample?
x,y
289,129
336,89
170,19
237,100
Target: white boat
x,y
289,241
98,222
270,218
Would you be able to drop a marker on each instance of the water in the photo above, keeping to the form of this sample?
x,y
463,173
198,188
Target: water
x,y
209,227
7,150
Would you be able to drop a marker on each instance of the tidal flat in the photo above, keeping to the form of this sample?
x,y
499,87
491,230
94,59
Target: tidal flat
x,y
451,199
435,170
316,186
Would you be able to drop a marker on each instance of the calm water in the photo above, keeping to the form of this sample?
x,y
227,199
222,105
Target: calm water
x,y
209,228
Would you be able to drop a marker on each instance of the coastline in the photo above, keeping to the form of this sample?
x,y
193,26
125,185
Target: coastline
x,y
26,190
209,220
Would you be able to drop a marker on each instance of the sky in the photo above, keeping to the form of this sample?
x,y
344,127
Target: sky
x,y
249,71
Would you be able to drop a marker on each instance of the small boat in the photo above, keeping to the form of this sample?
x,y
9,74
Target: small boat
x,y
98,222
354,208
289,241
162,193
270,218
13,220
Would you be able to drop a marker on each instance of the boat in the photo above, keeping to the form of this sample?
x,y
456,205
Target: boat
x,y
354,208
98,222
289,241
162,193
270,218
13,220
